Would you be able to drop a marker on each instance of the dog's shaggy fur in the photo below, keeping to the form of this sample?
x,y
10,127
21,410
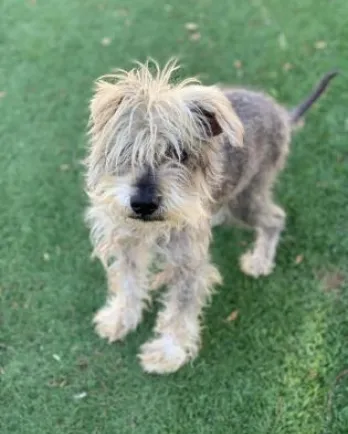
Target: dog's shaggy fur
x,y
166,163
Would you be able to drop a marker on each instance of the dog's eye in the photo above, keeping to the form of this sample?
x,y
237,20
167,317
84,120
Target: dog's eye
x,y
182,156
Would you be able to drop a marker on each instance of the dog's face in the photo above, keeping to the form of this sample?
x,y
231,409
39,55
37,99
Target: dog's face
x,y
155,151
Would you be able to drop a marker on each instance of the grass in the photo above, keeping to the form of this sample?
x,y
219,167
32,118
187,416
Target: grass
x,y
280,367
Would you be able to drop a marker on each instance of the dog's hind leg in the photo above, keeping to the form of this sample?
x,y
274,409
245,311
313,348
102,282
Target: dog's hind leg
x,y
257,210
260,260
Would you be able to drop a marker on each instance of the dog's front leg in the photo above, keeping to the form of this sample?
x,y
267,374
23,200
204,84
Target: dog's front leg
x,y
190,281
127,293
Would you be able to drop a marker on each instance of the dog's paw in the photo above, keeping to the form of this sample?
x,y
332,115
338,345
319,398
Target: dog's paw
x,y
113,323
163,355
255,265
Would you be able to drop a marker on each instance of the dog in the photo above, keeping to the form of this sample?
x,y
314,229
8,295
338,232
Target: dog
x,y
167,161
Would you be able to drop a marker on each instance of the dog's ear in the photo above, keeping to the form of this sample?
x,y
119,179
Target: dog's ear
x,y
104,104
103,107
213,114
209,122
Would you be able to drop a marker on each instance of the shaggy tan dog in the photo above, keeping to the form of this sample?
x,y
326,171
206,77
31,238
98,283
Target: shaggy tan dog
x,y
166,163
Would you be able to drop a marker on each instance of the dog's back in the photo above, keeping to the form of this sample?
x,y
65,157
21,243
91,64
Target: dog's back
x,y
266,140
267,130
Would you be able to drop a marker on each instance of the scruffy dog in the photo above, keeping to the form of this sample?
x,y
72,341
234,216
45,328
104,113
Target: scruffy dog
x,y
167,161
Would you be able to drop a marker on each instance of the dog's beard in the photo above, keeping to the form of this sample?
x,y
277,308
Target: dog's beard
x,y
181,203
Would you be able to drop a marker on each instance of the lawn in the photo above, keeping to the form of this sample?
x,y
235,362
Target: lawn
x,y
281,365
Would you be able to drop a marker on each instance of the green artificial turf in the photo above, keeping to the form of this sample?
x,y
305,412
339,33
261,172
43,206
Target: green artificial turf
x,y
280,366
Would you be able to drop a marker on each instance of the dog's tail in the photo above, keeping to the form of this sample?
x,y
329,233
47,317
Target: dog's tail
x,y
300,110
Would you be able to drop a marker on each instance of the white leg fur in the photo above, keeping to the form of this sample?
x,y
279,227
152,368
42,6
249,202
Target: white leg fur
x,y
128,292
260,260
177,329
160,279
178,326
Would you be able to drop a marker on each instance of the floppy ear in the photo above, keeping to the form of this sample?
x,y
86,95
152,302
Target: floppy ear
x,y
103,105
214,114
210,125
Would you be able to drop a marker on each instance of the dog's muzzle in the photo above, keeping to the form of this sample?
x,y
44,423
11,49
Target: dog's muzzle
x,y
145,203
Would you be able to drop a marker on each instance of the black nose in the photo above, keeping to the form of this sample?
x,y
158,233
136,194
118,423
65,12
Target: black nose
x,y
144,204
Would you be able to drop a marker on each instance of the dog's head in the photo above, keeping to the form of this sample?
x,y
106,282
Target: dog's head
x,y
156,147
